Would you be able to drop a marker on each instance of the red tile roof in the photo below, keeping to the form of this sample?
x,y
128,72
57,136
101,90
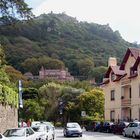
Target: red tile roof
x,y
135,52
115,70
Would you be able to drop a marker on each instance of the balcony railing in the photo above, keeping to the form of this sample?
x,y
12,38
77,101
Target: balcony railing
x,y
126,102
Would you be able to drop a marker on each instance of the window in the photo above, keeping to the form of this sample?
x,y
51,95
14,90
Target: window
x,y
112,115
131,71
112,76
130,92
134,125
112,95
30,131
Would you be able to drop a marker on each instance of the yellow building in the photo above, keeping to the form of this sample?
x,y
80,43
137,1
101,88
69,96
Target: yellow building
x,y
121,86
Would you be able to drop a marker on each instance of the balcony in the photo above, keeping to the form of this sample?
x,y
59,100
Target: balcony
x,y
126,102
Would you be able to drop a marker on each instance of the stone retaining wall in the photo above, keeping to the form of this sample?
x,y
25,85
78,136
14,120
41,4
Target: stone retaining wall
x,y
8,117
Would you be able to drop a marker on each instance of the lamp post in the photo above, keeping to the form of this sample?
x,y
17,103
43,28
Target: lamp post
x,y
61,109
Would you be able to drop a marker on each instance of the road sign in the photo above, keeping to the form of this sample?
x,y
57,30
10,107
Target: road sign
x,y
83,113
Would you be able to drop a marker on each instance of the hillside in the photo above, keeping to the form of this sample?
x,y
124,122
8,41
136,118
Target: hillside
x,y
62,39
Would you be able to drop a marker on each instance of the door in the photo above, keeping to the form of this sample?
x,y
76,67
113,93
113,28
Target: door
x,y
128,129
30,134
50,132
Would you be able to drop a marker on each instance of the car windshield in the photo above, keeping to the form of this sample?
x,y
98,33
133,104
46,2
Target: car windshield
x,y
15,133
72,125
38,128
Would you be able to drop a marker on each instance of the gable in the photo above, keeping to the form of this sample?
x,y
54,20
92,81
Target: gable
x,y
133,52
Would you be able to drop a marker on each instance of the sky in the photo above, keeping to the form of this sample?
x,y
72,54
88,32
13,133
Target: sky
x,y
121,15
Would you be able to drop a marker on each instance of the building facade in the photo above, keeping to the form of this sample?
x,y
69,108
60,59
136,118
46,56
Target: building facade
x,y
121,85
57,74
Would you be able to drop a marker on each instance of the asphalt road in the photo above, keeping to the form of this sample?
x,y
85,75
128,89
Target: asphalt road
x,y
91,136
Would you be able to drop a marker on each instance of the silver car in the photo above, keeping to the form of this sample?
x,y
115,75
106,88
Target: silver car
x,y
3,137
133,129
43,132
20,134
72,129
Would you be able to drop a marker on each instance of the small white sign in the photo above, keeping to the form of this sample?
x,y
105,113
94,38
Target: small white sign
x,y
83,113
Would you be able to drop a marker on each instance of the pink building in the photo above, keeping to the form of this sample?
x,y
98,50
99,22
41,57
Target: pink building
x,y
57,74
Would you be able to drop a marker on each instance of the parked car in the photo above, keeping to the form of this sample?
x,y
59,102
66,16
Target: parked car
x,y
106,127
3,137
72,129
133,129
20,134
36,123
93,126
44,132
118,127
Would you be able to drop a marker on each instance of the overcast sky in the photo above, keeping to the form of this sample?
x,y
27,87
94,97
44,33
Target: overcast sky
x,y
122,15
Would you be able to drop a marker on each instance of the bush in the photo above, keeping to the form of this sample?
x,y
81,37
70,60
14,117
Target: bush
x,y
58,124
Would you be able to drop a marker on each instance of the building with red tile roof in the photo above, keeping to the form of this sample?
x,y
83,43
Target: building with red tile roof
x,y
121,85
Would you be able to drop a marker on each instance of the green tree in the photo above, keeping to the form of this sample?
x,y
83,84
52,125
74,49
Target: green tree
x,y
2,56
98,73
30,93
8,96
31,65
70,101
32,110
93,103
49,95
34,64
85,66
14,75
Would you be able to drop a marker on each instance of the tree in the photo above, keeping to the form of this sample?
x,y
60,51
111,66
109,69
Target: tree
x,y
31,65
13,9
14,75
93,103
85,66
30,93
98,73
34,64
2,56
32,110
70,101
49,95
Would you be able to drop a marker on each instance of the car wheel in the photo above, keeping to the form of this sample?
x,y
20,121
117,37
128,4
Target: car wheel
x,y
133,135
53,137
81,135
124,134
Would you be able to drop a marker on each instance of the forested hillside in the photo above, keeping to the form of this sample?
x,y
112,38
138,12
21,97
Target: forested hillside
x,y
58,41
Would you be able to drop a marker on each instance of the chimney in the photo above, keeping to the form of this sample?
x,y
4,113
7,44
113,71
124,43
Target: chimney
x,y
112,61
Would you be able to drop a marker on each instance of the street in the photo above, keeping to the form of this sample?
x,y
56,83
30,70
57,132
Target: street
x,y
91,136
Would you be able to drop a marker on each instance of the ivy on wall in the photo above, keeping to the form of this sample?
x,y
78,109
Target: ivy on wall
x,y
8,96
